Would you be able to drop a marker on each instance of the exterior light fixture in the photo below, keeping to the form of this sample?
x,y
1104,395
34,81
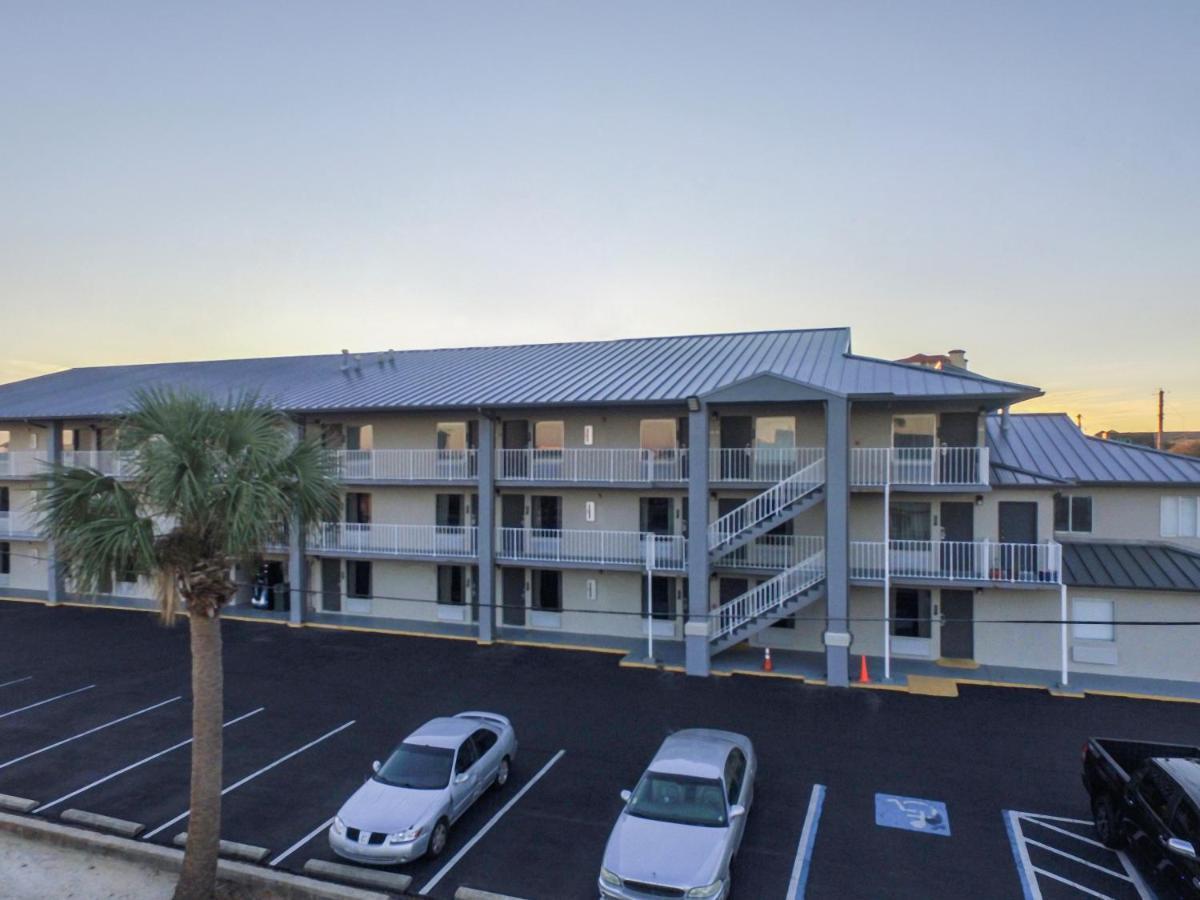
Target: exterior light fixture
x,y
979,499
693,404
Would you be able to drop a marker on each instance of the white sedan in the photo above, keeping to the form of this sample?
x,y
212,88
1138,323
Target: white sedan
x,y
405,810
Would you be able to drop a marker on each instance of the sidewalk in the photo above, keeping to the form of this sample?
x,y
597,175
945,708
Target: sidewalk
x,y
34,870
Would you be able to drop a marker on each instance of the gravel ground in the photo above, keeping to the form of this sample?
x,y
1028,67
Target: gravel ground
x,y
34,870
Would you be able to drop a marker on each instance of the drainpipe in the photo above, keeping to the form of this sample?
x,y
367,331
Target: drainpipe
x,y
485,534
887,571
297,558
1062,590
54,585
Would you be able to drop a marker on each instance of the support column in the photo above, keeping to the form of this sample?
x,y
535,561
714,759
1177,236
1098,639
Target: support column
x,y
486,534
696,626
54,576
837,541
1064,616
297,561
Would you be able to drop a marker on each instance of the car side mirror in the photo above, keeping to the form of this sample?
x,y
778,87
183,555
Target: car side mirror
x,y
736,811
1183,848
460,778
626,795
375,767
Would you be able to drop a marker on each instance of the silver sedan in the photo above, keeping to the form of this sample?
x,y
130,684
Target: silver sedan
x,y
406,808
683,823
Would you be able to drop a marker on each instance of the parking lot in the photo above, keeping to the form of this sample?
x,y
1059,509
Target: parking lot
x,y
94,715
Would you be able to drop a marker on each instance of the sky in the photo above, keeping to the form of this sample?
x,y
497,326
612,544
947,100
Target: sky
x,y
1021,180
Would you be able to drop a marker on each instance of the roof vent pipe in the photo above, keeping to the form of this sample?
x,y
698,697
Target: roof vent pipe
x,y
358,361
345,359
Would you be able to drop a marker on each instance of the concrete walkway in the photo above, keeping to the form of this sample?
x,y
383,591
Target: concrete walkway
x,y
35,870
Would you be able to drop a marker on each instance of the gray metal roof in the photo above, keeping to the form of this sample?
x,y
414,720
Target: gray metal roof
x,y
639,370
1047,448
1148,567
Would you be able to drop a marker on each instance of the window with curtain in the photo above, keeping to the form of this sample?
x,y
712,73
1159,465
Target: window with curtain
x,y
1093,620
1180,517
911,521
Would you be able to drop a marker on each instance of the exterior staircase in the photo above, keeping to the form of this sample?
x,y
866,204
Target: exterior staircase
x,y
777,504
788,592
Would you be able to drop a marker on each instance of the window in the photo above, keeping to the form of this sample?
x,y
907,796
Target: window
x,y
358,578
450,510
333,437
735,772
778,432
5,440
549,436
467,757
911,521
1186,823
547,513
1157,791
910,612
1092,620
5,558
547,590
451,580
127,575
662,592
656,515
914,432
358,508
452,435
658,434
484,740
4,501
360,437
1179,516
1072,513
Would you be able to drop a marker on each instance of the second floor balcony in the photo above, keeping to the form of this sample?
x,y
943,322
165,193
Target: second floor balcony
x,y
980,562
402,541
16,464
414,466
625,549
19,525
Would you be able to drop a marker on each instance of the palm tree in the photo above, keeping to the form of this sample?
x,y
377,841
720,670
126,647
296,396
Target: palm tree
x,y
211,485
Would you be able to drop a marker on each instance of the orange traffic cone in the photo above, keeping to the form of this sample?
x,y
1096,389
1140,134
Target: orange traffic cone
x,y
768,666
864,677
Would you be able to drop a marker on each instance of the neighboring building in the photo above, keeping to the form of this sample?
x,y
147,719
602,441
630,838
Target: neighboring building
x,y
777,485
954,359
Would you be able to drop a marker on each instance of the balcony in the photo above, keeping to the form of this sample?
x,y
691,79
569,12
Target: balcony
x,y
981,562
106,462
406,465
22,464
405,541
599,549
19,526
760,465
772,552
590,465
964,467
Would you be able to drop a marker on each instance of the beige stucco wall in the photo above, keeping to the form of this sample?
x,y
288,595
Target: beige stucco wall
x,y
1130,513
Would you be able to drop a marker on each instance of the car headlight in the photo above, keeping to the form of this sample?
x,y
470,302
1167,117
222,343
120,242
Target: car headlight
x,y
610,877
339,827
403,837
709,890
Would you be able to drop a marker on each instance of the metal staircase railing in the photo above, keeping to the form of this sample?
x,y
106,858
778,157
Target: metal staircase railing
x,y
757,602
764,506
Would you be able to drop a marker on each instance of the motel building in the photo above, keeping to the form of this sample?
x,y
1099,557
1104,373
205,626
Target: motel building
x,y
709,495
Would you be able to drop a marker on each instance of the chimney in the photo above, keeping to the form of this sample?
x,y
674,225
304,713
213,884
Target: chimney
x,y
958,358
345,360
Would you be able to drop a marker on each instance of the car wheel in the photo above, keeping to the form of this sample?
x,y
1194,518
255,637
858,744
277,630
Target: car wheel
x,y
1105,819
502,773
437,840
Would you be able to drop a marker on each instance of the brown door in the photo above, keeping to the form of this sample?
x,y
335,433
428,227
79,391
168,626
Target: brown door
x,y
958,626
513,582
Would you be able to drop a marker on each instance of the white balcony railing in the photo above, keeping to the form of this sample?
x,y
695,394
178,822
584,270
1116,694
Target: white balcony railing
x,y
406,465
592,464
767,596
22,463
760,464
395,540
764,506
773,552
18,524
107,462
934,466
985,561
625,548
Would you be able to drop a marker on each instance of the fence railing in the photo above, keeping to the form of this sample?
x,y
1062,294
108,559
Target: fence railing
x,y
767,596
592,464
107,462
667,552
763,506
876,466
22,463
406,465
395,540
958,561
18,524
773,552
760,464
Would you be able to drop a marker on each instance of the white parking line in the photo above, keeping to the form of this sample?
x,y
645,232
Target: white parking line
x,y
808,837
433,882
140,762
13,712
16,681
1063,831
300,843
1079,859
84,734
1067,881
251,777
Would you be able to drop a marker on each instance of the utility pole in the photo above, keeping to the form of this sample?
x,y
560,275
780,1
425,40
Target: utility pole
x,y
1079,420
1158,435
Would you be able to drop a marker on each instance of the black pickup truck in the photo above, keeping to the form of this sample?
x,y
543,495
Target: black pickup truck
x,y
1146,797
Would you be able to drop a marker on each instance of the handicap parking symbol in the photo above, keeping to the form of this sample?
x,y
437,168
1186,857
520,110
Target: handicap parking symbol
x,y
912,814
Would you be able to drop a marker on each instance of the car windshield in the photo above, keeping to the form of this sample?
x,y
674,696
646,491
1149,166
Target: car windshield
x,y
417,766
682,799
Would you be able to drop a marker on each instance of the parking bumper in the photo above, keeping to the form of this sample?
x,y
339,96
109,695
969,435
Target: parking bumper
x,y
378,855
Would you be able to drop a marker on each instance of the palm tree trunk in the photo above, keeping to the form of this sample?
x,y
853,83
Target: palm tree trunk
x,y
197,878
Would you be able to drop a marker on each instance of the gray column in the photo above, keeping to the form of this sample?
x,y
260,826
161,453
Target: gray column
x,y
297,561
696,627
54,578
837,541
487,528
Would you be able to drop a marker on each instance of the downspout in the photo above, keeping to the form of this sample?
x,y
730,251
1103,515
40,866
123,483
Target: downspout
x,y
887,570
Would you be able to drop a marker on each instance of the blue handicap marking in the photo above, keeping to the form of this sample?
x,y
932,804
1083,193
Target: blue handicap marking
x,y
912,814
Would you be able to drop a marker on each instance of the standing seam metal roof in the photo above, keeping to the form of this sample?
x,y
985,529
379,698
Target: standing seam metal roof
x,y
637,370
1149,566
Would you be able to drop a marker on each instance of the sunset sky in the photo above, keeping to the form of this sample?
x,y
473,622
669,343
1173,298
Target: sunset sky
x,y
184,181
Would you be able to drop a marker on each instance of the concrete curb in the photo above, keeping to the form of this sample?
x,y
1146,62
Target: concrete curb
x,y
388,881
123,827
17,804
231,849
470,893
266,882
